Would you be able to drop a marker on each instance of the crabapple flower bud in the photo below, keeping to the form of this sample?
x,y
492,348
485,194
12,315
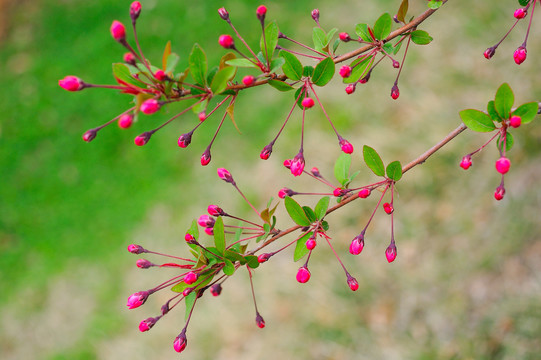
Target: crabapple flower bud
x,y
344,37
142,139
225,175
352,283
520,55
261,12
307,102
388,208
190,278
390,252
346,146
338,192
260,322
202,116
118,31
345,71
90,135
71,83
263,258
184,140
137,299
223,13
515,121
365,79
147,324
187,291
350,89
266,152
150,106
180,342
285,192
205,158
315,15
216,289
189,238
466,162
143,264
315,172
226,41
357,245
287,163
502,165
499,193
396,64
489,53
303,275
520,13
215,210
248,80
364,193
136,249
311,243
160,75
297,165
206,221
209,231
135,10
395,92
125,121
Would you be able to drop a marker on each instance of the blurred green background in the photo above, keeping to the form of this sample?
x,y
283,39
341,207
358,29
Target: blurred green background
x,y
466,283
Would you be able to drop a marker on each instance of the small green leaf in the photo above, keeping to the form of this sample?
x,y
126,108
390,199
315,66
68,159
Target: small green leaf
x,y
280,85
219,235
211,73
330,34
362,31
229,268
244,63
373,160
300,248
477,120
421,37
235,256
382,27
523,2
323,72
293,67
198,64
527,112
394,171
320,38
360,69
122,72
335,45
341,168
219,83
310,214
298,97
252,261
492,111
321,207
402,11
388,48
172,61
434,4
166,53
504,100
190,302
271,40
296,212
276,64
201,106
325,225
509,141
308,71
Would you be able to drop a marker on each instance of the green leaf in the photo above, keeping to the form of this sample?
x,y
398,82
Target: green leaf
x,y
308,71
211,73
296,212
527,112
198,64
219,83
402,11
197,108
252,261
235,256
219,235
276,64
330,34
434,4
300,248
320,38
383,26
310,214
360,69
204,278
190,302
335,45
362,31
172,61
492,111
504,100
229,268
293,67
509,141
321,207
325,225
323,72
523,2
373,160
280,85
388,48
477,120
271,40
299,98
122,72
394,171
341,168
166,53
421,37
244,63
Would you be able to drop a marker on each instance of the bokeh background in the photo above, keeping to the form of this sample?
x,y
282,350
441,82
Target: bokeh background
x,y
467,280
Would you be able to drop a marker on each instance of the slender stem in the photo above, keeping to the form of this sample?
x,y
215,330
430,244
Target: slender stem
x,y
303,45
322,108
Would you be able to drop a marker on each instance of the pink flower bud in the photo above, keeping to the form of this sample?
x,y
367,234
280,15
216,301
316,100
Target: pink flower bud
x,y
365,79
202,116
287,163
225,175
311,243
303,275
266,152
209,231
520,13
147,324
90,135
390,252
396,64
135,10
136,249
350,89
206,221
502,165
160,75
346,146
515,121
388,208
297,165
118,31
137,299
364,193
223,13
261,12
285,192
520,55
142,139
357,245
344,37
352,283
150,106
187,291
466,162
315,15
315,172
248,80
263,258
216,289
125,121
489,53
260,322
144,264
185,139
215,210
307,102
190,278
189,238
205,158
129,58
499,193
71,83
345,71
180,342
395,92
226,41
337,192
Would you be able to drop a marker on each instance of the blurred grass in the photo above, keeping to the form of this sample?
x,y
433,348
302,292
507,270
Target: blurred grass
x,y
466,282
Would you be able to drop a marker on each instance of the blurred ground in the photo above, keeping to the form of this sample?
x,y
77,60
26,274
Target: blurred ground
x,y
466,283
